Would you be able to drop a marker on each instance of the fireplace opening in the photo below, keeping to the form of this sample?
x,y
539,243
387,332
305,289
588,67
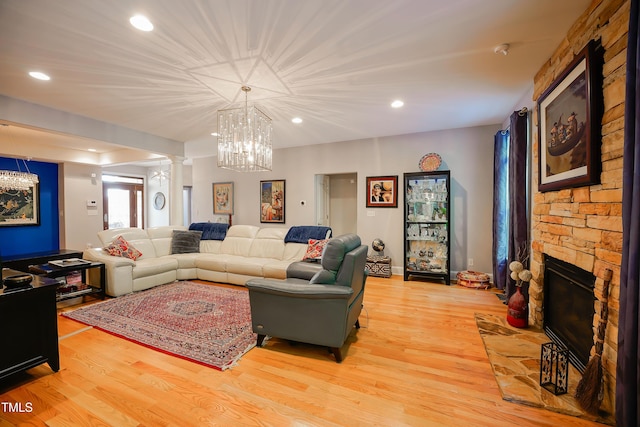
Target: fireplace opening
x,y
569,308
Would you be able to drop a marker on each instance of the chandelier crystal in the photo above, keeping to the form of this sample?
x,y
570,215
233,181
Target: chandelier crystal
x,y
244,138
17,180
11,180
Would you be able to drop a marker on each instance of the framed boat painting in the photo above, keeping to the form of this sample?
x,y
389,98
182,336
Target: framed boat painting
x,y
569,115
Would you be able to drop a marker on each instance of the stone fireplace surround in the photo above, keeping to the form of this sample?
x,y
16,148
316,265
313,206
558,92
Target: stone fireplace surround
x,y
583,226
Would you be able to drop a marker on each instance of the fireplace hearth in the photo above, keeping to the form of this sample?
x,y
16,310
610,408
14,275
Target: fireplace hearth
x,y
568,308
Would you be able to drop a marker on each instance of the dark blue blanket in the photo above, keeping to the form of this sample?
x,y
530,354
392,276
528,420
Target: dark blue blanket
x,y
302,233
210,230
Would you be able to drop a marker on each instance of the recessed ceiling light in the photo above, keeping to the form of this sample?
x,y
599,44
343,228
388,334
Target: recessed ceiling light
x,y
214,133
38,75
141,22
502,49
397,104
93,150
296,120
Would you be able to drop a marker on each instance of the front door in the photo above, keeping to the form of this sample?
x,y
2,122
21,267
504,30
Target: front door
x,y
123,205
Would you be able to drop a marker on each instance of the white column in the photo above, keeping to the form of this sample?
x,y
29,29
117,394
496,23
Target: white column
x,y
175,196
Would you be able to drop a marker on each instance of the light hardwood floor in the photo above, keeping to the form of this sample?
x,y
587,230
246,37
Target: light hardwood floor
x,y
418,360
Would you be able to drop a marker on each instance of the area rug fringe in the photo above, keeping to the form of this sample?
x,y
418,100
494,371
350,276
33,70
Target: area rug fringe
x,y
235,361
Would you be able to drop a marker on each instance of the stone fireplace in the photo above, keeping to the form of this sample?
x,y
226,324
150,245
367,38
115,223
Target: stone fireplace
x,y
583,226
568,295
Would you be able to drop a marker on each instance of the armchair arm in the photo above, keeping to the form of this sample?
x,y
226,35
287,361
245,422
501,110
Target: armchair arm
x,y
298,289
303,270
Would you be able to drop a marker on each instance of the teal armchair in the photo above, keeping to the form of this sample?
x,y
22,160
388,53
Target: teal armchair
x,y
322,310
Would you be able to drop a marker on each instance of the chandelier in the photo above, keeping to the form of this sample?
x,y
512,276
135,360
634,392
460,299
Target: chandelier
x,y
17,180
244,138
12,180
161,174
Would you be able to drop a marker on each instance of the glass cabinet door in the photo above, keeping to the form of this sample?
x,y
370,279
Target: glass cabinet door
x,y
426,225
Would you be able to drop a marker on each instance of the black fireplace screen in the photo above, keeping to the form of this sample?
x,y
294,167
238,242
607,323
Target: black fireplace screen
x,y
568,308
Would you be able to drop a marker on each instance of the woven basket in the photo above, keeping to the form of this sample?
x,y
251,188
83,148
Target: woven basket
x,y
379,266
474,279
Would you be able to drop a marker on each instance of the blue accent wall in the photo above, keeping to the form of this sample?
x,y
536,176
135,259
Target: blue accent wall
x,y
17,240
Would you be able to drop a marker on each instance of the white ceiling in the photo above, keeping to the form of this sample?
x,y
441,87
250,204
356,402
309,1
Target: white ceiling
x,y
337,64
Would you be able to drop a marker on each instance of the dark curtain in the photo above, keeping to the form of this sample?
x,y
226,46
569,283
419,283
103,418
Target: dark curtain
x,y
500,208
518,193
627,374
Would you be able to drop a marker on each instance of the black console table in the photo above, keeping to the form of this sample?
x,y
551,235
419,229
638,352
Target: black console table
x,y
22,262
29,334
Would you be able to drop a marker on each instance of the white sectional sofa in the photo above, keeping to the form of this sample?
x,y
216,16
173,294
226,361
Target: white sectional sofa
x,y
246,252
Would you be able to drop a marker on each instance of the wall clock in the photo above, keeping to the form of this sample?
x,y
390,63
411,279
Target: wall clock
x,y
158,200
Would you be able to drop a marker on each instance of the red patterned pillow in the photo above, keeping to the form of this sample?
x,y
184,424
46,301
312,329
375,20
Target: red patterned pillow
x,y
120,247
314,249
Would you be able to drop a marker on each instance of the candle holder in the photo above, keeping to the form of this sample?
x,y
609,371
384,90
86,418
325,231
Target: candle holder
x,y
554,368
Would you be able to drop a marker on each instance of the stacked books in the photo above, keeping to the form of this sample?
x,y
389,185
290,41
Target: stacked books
x,y
69,262
72,282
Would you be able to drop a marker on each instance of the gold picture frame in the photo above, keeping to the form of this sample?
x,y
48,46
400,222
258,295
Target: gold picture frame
x,y
223,198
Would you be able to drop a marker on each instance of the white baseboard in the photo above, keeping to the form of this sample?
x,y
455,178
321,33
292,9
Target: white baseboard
x,y
399,271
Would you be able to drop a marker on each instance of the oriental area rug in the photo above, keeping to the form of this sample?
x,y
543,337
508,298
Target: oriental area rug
x,y
206,324
514,354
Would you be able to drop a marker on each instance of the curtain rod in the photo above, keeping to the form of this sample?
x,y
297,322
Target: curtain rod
x,y
521,112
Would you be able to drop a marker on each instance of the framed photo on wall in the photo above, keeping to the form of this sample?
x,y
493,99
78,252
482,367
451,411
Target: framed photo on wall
x,y
569,114
382,191
20,207
272,201
223,198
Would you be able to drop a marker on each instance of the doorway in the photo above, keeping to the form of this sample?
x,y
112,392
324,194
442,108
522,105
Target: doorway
x,y
123,202
336,202
186,205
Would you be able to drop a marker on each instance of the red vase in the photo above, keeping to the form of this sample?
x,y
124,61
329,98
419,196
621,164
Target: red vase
x,y
517,310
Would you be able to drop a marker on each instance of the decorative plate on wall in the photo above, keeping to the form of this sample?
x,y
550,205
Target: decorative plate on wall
x,y
430,162
158,200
